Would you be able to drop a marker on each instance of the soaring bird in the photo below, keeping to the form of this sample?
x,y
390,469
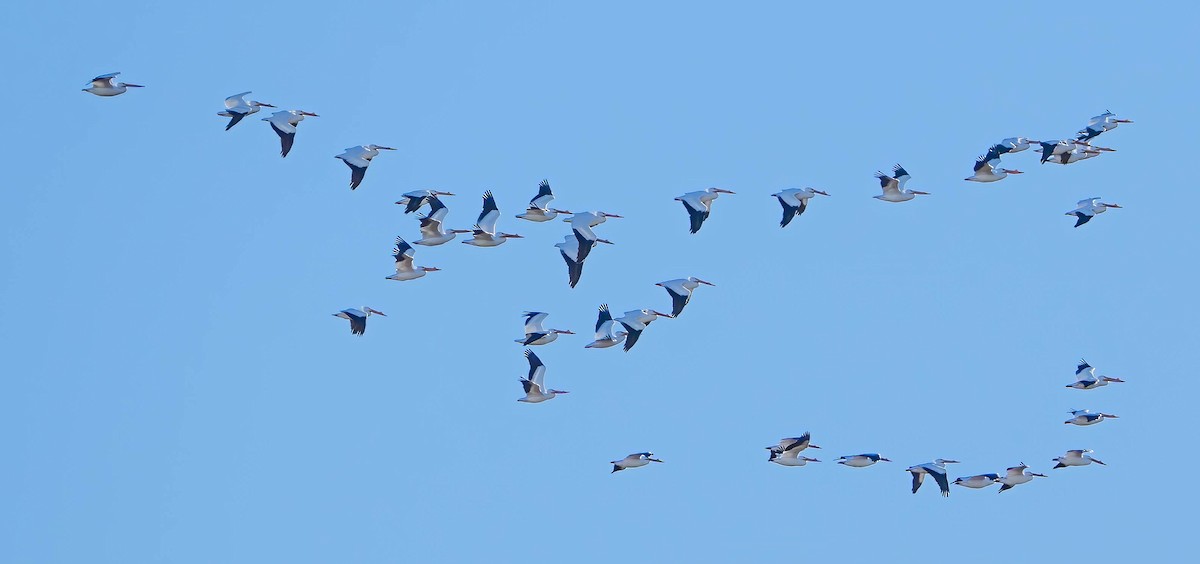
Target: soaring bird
x,y
1099,124
535,334
978,481
403,253
1016,476
1089,208
607,334
636,321
1077,457
937,469
634,460
1012,145
432,233
236,108
893,186
861,460
590,219
534,383
1073,156
539,207
681,290
699,205
358,159
485,227
1083,417
1058,151
794,202
1086,379
987,170
358,318
284,123
106,85
787,452
412,201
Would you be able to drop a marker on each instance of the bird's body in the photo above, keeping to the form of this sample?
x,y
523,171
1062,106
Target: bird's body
x,y
636,321
1017,475
535,334
1012,145
534,383
1086,379
1083,417
988,170
358,318
787,452
1099,124
284,123
358,158
861,460
937,469
607,334
412,201
1085,210
106,85
978,481
539,207
432,231
589,219
403,254
699,205
1077,457
893,186
1073,156
635,460
681,290
236,108
794,202
485,234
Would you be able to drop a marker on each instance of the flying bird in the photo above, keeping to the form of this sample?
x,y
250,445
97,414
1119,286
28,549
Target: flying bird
x,y
412,201
787,452
485,227
539,207
794,202
589,219
535,334
634,460
987,170
1073,156
236,108
1089,208
1058,151
861,460
893,186
1016,476
937,469
1083,417
1077,457
605,335
1099,124
358,318
534,383
636,321
1011,145
978,481
358,159
1086,379
432,233
284,123
699,205
403,253
106,85
681,290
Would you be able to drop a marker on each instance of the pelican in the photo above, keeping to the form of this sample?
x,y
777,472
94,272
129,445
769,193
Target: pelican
x,y
680,290
1087,209
787,452
1064,146
861,460
539,207
403,253
534,383
699,205
605,336
937,469
1012,145
1016,476
1099,124
358,159
358,318
284,123
534,334
412,201
236,108
893,186
986,170
106,85
431,225
1086,379
634,460
977,481
1078,457
1083,417
485,227
1073,156
589,219
636,321
794,202
574,248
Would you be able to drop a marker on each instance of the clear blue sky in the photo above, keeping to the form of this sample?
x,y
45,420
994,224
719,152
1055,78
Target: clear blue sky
x,y
175,389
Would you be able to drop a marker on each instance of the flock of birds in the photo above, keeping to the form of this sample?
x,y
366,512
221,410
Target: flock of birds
x,y
627,329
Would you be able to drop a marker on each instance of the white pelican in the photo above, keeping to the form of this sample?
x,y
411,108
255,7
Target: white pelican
x,y
432,233
978,481
1065,146
539,207
986,170
680,290
358,159
699,205
569,249
485,227
358,318
236,108
605,335
861,460
893,186
412,201
787,452
589,219
1016,476
794,202
403,253
1078,457
1099,124
634,460
937,469
534,383
535,334
1087,209
636,321
1083,417
1086,379
1073,156
106,85
1012,145
284,123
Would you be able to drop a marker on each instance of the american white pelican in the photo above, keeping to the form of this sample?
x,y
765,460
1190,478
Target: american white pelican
x,y
699,205
861,460
986,170
1078,457
535,334
574,249
794,202
590,219
358,159
1012,145
937,469
1016,476
1099,124
106,85
236,108
1083,417
893,186
485,227
636,321
605,335
634,460
432,233
358,318
587,239
412,201
1063,147
403,253
1073,156
978,481
680,290
284,123
1086,379
534,383
787,452
539,207
1087,209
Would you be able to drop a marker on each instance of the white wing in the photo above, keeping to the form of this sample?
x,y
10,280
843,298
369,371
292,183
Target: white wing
x,y
534,323
236,101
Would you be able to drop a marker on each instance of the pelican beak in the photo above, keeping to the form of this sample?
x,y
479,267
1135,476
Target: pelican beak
x,y
821,192
653,460
431,269
560,391
1123,120
309,114
386,148
706,283
1015,172
884,460
1036,474
134,85
921,193
666,315
265,105
1112,205
605,241
1113,379
567,332
513,236
724,191
606,214
565,212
